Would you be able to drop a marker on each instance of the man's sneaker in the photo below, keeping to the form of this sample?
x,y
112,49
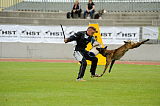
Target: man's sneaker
x,y
80,79
96,75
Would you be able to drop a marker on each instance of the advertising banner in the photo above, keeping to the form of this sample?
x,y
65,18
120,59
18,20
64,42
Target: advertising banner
x,y
117,35
34,34
53,34
150,32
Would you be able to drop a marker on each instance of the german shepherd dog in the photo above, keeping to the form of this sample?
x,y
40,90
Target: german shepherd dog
x,y
99,14
116,54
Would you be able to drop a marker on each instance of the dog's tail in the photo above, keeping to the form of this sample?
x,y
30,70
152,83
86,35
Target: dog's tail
x,y
111,65
145,41
139,43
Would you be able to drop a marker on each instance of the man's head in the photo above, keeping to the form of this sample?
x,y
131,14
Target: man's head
x,y
90,1
91,30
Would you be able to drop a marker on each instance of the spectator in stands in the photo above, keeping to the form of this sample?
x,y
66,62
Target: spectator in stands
x,y
76,9
90,9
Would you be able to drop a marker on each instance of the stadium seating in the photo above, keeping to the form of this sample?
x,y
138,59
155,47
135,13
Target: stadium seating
x,y
54,18
109,6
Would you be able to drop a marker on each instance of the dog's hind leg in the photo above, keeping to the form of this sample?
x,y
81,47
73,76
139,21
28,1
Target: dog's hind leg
x,y
111,65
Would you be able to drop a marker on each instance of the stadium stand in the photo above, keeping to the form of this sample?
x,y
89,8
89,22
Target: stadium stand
x,y
54,18
51,13
109,6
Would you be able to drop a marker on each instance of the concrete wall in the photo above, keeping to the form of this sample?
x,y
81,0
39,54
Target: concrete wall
x,y
108,19
101,4
147,52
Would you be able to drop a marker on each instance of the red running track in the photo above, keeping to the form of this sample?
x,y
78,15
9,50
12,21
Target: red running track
x,y
73,61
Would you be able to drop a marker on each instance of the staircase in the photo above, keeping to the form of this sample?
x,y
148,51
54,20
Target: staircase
x,y
56,18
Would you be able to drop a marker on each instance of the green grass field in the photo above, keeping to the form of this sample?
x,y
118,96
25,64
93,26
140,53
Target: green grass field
x,y
54,84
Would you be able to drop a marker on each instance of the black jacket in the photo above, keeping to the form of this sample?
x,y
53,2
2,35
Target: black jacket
x,y
82,39
90,5
76,8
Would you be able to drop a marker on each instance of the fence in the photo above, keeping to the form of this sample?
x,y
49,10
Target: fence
x,y
66,5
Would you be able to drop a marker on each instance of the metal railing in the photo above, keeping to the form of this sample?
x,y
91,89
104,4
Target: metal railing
x,y
66,5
